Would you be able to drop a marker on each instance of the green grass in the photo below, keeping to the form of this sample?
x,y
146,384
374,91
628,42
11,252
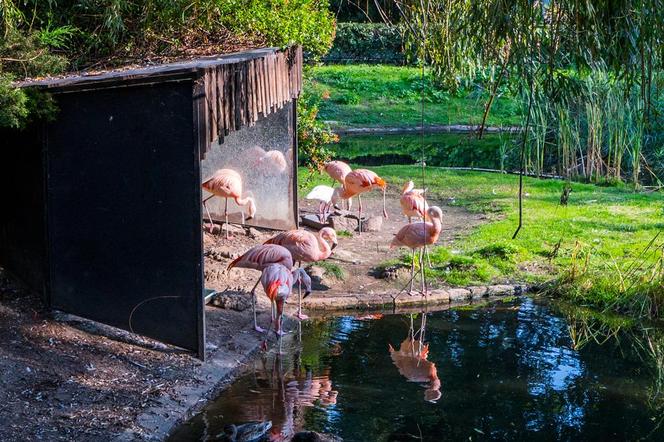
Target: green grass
x,y
332,269
381,95
602,234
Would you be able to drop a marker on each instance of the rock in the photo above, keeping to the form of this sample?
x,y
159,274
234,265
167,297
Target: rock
x,y
220,253
254,233
313,221
312,436
318,280
231,301
390,272
346,223
373,224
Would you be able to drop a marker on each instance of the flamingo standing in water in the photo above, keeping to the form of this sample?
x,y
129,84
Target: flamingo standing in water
x,y
304,246
278,281
258,258
359,181
418,236
227,183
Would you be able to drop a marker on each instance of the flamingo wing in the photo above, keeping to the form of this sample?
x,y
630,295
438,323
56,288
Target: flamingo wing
x,y
260,256
224,183
302,245
412,235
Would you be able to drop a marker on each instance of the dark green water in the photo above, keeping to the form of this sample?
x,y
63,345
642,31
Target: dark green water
x,y
441,149
518,370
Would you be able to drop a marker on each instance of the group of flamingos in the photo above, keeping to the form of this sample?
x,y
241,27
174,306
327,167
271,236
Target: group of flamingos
x,y
275,258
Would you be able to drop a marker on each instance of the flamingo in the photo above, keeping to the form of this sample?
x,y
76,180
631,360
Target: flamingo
x,y
337,170
413,203
417,236
359,181
278,281
257,258
227,183
273,162
327,196
304,246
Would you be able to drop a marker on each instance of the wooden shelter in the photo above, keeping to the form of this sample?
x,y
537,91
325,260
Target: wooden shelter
x,y
103,204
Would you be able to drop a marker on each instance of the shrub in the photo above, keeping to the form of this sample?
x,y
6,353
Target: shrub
x,y
367,42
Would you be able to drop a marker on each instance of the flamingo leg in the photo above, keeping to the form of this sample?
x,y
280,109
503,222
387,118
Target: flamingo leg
x,y
412,274
384,205
426,253
253,308
359,216
300,315
424,283
226,218
208,214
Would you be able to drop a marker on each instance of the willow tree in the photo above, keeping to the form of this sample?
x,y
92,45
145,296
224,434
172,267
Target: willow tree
x,y
566,57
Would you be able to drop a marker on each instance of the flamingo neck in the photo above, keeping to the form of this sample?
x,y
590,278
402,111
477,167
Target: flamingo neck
x,y
409,186
324,247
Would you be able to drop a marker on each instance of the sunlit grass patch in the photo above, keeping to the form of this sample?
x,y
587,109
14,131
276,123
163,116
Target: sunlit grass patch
x,y
601,234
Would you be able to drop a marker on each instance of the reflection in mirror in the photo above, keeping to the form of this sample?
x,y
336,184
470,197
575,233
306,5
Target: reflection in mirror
x,y
262,157
411,360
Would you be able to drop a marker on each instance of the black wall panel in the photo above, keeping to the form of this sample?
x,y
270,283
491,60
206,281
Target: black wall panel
x,y
124,211
22,232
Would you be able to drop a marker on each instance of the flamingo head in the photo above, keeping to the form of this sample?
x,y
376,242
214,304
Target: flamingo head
x,y
252,206
434,212
329,235
301,277
408,186
381,183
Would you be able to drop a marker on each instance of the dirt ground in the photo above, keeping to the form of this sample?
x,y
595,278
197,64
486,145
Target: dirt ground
x,y
64,378
357,255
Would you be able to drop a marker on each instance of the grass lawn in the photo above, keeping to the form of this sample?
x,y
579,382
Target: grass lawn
x,y
591,251
381,95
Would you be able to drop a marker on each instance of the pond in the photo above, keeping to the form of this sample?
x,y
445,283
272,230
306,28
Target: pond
x,y
493,151
517,369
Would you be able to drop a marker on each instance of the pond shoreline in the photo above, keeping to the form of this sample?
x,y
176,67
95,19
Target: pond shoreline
x,y
387,300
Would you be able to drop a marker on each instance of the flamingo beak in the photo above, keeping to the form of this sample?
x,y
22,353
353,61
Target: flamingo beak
x,y
334,246
307,293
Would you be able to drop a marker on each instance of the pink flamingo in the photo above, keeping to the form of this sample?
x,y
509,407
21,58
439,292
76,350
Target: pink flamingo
x,y
413,203
273,162
418,236
359,181
304,246
278,281
227,183
258,258
337,170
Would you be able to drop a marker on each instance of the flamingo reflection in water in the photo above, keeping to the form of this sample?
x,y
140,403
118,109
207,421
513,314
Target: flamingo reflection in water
x,y
412,363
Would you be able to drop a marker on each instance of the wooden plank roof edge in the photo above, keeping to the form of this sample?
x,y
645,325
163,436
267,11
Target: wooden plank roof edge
x,y
181,68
